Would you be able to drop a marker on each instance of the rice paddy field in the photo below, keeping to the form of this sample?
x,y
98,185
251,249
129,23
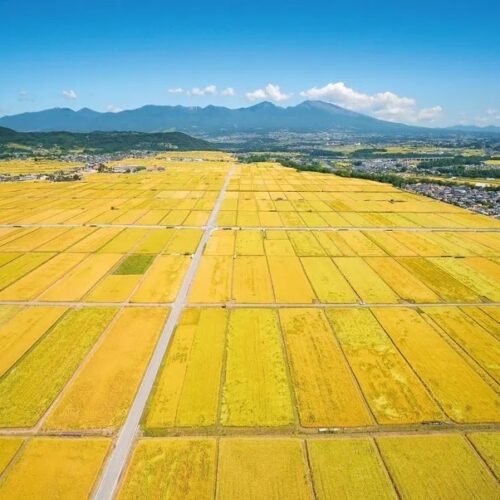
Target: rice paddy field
x,y
219,331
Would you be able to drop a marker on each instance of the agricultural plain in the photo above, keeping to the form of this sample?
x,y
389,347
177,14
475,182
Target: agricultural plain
x,y
314,336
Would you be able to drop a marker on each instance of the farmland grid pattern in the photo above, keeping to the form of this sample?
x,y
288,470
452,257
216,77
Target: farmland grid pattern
x,y
397,292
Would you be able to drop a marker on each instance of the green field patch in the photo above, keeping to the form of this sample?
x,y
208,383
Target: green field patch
x,y
135,264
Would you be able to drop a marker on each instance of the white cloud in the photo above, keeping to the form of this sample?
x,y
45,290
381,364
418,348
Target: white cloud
x,y
176,90
228,92
112,109
384,105
69,94
25,96
208,90
270,91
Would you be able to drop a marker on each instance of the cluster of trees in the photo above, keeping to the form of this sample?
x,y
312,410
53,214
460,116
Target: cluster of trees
x,y
451,162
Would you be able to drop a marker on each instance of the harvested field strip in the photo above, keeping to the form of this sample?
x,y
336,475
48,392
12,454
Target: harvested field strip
x,y
171,468
23,330
8,448
212,283
96,240
348,468
21,266
287,270
474,339
182,397
438,280
27,392
55,468
33,284
101,393
488,446
256,389
436,467
463,394
278,464
77,282
324,388
407,286
184,241
134,264
485,286
391,388
327,281
162,280
366,283
252,281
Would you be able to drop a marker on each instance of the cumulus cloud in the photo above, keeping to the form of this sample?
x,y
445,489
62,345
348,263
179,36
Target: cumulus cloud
x,y
69,94
208,90
384,105
176,90
270,91
228,92
112,109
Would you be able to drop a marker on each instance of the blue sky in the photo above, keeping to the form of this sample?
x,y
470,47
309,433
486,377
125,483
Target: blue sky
x,y
427,62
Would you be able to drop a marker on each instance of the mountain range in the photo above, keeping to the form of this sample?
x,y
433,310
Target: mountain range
x,y
309,116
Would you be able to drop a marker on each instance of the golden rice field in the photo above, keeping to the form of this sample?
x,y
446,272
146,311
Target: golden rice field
x,y
278,334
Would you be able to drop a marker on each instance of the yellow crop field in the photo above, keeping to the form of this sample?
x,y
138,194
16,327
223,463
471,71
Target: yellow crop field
x,y
325,391
249,242
212,282
55,468
256,389
363,246
391,388
171,468
220,243
125,241
102,391
252,281
286,271
23,330
365,281
277,463
475,340
33,239
485,318
436,466
462,393
27,391
181,398
488,446
162,279
81,279
404,283
113,288
390,244
348,468
95,240
21,266
5,258
8,448
155,241
329,284
184,241
305,244
37,281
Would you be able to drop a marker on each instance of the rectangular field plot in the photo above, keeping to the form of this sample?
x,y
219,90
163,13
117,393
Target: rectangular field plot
x,y
100,395
325,390
435,465
462,393
27,392
348,468
488,446
278,464
186,392
256,390
9,446
55,468
171,468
